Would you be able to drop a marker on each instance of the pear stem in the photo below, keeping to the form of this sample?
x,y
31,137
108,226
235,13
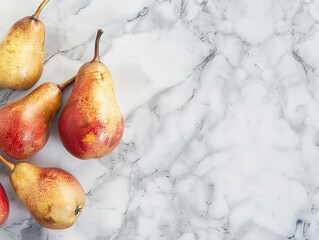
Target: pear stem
x,y
62,86
39,10
97,46
7,163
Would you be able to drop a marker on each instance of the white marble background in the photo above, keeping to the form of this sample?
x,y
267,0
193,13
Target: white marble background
x,y
221,102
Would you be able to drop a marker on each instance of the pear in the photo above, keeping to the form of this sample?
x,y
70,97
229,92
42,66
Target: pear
x,y
4,205
25,123
91,124
22,52
53,196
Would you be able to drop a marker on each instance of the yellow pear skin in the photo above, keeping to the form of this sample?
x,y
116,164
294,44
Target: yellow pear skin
x,y
22,53
53,196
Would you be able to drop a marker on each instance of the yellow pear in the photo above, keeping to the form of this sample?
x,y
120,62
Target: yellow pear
x,y
53,196
22,52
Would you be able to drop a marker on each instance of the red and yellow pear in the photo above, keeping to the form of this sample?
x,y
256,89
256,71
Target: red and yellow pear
x,y
53,196
91,124
25,123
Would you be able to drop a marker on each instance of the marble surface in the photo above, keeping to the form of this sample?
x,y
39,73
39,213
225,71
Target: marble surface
x,y
221,107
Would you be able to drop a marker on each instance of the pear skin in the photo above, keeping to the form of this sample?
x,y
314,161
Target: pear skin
x,y
25,125
4,205
91,124
22,53
53,196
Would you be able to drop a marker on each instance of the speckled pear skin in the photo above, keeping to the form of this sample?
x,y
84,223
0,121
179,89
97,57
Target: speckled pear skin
x,y
91,124
22,54
25,123
53,196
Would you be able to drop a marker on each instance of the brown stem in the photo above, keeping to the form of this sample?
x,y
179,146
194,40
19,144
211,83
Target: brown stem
x,y
62,86
7,163
39,10
97,46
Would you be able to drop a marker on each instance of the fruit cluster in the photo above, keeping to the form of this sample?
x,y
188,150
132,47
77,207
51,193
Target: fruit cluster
x,y
90,126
